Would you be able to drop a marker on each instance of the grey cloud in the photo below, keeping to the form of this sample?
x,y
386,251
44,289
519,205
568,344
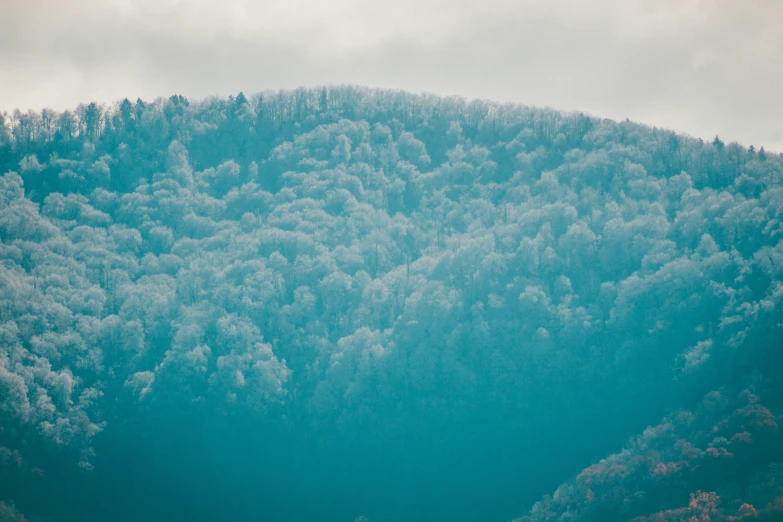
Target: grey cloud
x,y
705,68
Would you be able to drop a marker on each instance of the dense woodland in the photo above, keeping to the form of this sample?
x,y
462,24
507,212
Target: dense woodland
x,y
350,304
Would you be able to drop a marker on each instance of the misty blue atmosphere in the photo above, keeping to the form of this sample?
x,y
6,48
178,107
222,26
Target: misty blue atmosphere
x,y
346,304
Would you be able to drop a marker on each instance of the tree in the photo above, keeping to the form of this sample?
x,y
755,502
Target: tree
x,y
92,120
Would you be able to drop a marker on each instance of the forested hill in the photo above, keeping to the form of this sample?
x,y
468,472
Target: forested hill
x,y
345,304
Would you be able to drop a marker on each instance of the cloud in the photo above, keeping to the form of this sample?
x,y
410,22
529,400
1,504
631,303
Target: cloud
x,y
697,66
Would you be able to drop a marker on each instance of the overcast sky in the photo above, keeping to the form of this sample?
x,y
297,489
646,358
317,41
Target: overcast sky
x,y
705,67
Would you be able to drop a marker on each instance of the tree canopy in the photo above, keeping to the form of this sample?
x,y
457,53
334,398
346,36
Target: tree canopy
x,y
353,304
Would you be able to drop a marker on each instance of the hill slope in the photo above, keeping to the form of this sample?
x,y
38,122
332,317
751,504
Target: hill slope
x,y
334,303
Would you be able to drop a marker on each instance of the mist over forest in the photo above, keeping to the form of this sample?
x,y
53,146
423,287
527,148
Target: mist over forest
x,y
345,304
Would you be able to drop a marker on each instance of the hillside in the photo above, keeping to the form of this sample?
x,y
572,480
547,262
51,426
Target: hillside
x,y
339,303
